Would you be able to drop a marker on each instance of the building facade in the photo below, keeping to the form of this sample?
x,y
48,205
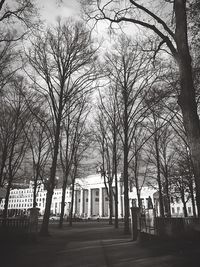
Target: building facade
x,y
90,199
21,200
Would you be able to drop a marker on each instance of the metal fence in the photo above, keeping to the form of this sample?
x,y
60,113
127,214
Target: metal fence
x,y
177,227
13,225
148,222
168,227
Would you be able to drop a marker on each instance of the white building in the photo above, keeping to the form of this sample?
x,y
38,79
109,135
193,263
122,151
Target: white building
x,y
90,199
21,200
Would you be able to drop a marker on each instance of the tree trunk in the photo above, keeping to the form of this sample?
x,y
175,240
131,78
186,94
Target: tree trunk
x,y
125,169
116,201
192,198
5,210
168,207
126,196
137,185
3,163
45,222
115,174
184,203
110,204
63,203
72,205
159,175
187,99
72,199
35,194
139,199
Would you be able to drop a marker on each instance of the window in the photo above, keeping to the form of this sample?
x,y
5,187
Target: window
x,y
173,211
96,199
97,193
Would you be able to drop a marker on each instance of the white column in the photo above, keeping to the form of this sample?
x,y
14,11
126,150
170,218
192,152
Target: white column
x,y
100,201
81,202
89,202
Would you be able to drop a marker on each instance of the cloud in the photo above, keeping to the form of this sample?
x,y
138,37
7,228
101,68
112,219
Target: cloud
x,y
51,9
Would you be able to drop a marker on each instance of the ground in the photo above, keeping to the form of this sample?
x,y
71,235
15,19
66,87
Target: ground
x,y
97,244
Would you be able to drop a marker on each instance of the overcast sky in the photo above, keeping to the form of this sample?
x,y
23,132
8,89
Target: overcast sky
x,y
51,9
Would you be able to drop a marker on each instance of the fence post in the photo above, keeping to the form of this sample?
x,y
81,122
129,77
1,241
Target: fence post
x,y
34,214
135,219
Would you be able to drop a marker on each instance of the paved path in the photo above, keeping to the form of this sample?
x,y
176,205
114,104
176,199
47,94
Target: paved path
x,y
94,244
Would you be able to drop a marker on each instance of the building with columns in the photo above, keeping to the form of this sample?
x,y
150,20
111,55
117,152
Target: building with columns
x,y
91,199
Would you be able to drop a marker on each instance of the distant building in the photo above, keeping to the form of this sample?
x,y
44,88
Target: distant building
x,y
21,200
90,199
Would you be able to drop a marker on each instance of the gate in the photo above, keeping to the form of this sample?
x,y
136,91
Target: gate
x,y
147,221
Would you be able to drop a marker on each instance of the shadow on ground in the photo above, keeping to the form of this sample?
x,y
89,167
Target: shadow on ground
x,y
96,244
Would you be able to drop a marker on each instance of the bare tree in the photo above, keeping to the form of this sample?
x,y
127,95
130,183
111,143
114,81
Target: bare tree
x,y
81,143
175,39
107,137
74,142
14,141
62,57
17,18
39,144
103,141
183,176
129,70
139,163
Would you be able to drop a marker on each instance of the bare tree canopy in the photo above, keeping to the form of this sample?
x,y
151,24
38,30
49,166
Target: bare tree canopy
x,y
175,38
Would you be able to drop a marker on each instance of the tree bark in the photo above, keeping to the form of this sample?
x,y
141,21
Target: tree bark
x,y
51,185
168,209
72,199
187,99
184,202
158,171
126,196
116,195
192,198
110,203
5,210
125,169
3,163
72,204
63,203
